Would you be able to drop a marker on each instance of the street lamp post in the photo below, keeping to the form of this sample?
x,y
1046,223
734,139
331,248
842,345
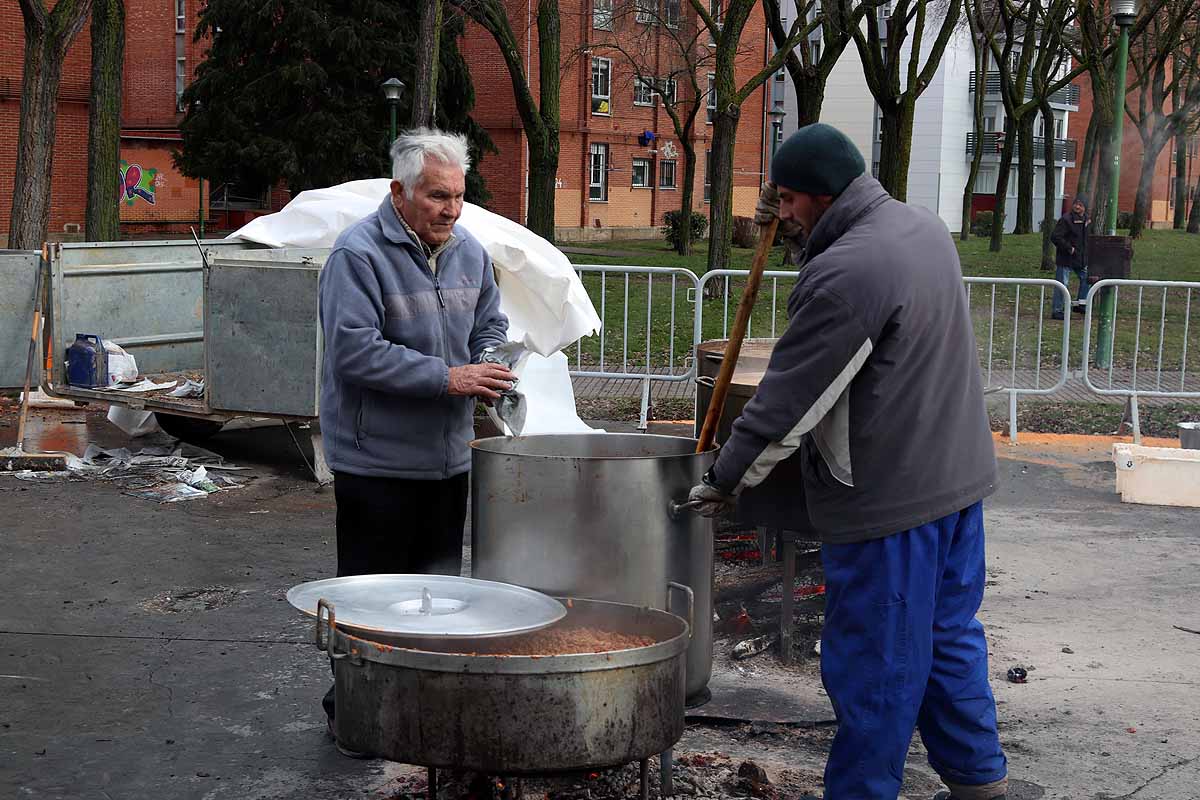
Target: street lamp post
x,y
393,88
1124,15
776,114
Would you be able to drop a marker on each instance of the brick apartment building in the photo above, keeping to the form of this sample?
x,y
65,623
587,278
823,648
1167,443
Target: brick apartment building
x,y
160,58
1162,192
613,180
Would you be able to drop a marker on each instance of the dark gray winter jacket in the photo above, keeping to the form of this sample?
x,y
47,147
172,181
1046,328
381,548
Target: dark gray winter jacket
x,y
873,394
392,330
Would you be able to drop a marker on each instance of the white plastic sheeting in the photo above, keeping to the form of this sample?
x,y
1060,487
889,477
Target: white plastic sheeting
x,y
546,304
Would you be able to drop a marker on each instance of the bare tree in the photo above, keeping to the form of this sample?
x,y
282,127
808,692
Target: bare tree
x,y
810,62
1038,57
896,96
666,52
48,35
1158,76
982,29
102,220
726,27
540,117
425,92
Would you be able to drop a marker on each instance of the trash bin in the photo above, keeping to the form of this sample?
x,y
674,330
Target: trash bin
x,y
1109,257
1189,435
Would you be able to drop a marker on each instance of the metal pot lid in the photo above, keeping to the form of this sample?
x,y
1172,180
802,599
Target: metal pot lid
x,y
429,605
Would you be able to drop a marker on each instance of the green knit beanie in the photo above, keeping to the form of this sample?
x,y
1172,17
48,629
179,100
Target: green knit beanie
x,y
817,159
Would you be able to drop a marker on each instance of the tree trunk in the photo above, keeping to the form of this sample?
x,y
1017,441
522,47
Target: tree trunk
x,y
1151,150
543,169
1025,175
1050,187
47,37
896,147
810,96
981,65
720,213
1181,184
425,91
1087,159
1102,187
1193,225
687,192
103,219
1002,170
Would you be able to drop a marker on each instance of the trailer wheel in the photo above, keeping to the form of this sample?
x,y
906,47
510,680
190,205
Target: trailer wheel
x,y
189,429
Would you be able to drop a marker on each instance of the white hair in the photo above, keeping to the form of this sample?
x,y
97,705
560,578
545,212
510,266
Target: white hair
x,y
412,148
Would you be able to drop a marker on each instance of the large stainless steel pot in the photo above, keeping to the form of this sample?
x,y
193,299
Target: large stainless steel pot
x,y
513,715
589,515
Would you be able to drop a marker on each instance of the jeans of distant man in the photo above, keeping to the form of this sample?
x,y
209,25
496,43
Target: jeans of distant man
x,y
1063,276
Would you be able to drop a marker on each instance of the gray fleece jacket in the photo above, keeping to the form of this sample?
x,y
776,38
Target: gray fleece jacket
x,y
392,329
872,404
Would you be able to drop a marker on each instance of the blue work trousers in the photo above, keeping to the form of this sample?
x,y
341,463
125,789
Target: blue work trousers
x,y
1063,276
901,649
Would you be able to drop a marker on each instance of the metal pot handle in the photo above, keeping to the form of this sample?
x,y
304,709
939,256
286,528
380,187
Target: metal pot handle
x,y
675,510
691,603
328,622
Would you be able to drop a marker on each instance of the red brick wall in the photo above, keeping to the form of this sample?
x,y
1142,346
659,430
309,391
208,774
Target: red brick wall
x,y
149,120
1131,162
626,206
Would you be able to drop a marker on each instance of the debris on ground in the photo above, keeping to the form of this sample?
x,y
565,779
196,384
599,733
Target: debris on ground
x,y
702,776
1068,651
752,647
1017,674
162,474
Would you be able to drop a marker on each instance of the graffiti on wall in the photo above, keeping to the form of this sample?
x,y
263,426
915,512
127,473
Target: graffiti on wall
x,y
137,182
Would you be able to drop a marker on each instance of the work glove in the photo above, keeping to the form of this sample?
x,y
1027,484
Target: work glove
x,y
709,501
768,204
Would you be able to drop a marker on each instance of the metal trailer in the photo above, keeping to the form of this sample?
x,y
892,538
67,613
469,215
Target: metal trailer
x,y
246,321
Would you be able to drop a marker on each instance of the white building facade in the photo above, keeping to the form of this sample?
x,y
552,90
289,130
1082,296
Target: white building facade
x,y
943,130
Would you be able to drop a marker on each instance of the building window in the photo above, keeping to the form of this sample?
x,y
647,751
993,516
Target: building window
x,y
598,180
814,49
989,124
1058,128
670,90
602,86
711,103
602,14
180,81
643,173
666,174
672,13
643,92
645,11
778,90
708,176
181,16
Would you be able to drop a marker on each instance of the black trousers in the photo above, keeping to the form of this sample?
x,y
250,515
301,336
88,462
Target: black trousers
x,y
393,525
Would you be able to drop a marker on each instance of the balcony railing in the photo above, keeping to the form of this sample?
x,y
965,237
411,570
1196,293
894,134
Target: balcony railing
x,y
1066,96
1064,149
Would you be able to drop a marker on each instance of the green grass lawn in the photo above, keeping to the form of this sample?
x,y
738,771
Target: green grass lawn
x,y
1008,337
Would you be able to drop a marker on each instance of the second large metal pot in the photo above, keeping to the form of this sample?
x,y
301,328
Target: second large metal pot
x,y
454,703
589,515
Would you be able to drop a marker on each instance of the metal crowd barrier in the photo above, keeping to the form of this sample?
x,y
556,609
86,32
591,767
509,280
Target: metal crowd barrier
x,y
1126,373
649,361
1015,358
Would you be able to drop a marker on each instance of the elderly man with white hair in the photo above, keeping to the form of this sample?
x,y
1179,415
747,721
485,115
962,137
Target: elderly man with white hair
x,y
408,304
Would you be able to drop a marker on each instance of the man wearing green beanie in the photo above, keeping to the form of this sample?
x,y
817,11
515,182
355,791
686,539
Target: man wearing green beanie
x,y
869,429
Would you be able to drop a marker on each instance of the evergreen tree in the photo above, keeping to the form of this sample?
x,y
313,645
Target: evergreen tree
x,y
290,90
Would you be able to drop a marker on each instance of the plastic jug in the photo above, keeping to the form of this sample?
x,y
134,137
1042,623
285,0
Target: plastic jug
x,y
87,362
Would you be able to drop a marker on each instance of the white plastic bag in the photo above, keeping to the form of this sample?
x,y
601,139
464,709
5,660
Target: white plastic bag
x,y
122,367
